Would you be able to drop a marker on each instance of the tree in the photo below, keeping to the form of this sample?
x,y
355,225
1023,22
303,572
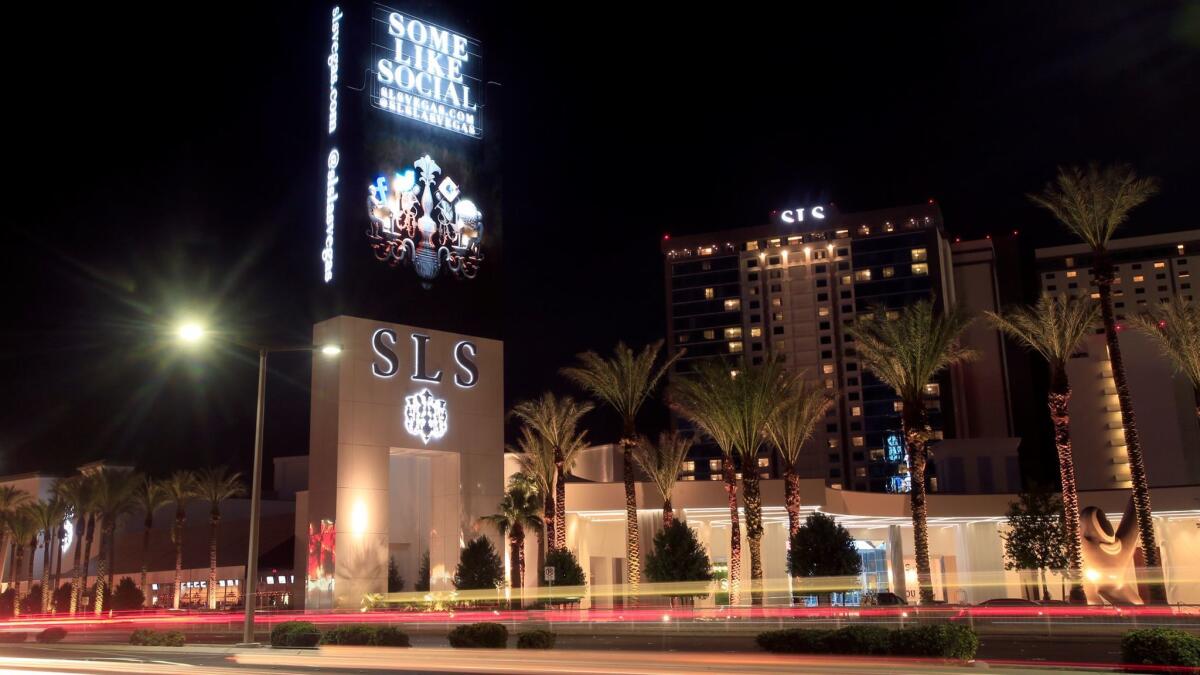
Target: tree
x,y
79,492
423,576
662,463
21,527
215,485
623,382
678,556
62,598
149,496
11,498
1036,538
567,573
1092,203
127,595
1054,327
114,498
536,458
479,567
556,420
789,430
517,511
47,514
1175,326
906,353
823,548
705,396
180,488
395,580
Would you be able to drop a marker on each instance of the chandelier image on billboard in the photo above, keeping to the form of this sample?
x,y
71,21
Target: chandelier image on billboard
x,y
425,416
421,219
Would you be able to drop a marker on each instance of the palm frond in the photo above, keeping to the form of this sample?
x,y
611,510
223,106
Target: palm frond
x,y
662,460
1053,327
794,422
1175,327
1093,202
553,418
623,381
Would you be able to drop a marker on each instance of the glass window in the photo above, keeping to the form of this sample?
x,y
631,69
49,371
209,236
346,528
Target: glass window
x,y
714,465
764,462
756,332
710,334
731,333
889,272
933,389
752,246
827,368
1072,274
735,347
733,304
708,294
919,255
862,275
858,441
822,311
920,269
845,279
856,411
1159,265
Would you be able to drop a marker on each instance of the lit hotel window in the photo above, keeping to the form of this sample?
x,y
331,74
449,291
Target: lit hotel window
x,y
856,411
1072,274
898,406
689,466
714,476
731,333
1159,265
1070,262
1179,247
777,302
862,275
920,269
683,338
832,443
933,389
827,368
756,332
777,316
889,272
841,234
1137,279
891,314
707,250
845,279
733,304
1185,274
735,347
752,246
710,334
687,477
822,311
764,462
857,441
919,255
708,294
1095,296
714,465
829,384
860,471
864,230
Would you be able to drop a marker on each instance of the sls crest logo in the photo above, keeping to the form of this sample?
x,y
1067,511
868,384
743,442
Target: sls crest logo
x,y
425,416
420,218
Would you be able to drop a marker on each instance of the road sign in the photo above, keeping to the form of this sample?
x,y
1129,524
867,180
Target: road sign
x,y
548,571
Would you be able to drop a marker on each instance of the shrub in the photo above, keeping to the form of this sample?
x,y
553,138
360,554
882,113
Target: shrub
x,y
1160,647
422,582
567,574
6,602
794,641
479,567
823,548
536,639
126,596
144,637
395,580
6,637
475,635
352,634
32,602
52,634
62,598
858,640
938,641
390,636
295,634
678,556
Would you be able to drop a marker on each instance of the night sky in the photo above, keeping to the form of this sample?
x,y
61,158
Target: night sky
x,y
165,162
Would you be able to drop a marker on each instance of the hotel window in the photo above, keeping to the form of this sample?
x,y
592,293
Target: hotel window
x,y
891,314
864,230
919,255
898,406
777,302
794,240
889,272
831,443
1072,274
732,333
829,384
920,269
856,411
1051,287
776,288
933,389
827,368
822,311
714,465
841,234
777,330
689,466
756,332
764,462
1179,247
1095,296
752,246
1184,274
1160,275
822,283
773,260
876,454
683,338
710,334
857,441
845,279
774,242
752,263
708,294
714,476
824,325
754,290
777,316
1137,279
860,471
687,477
733,304
1159,265
1070,262
862,275
843,251
753,276
735,347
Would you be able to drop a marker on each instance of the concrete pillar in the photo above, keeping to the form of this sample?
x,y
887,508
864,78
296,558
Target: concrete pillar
x,y
895,548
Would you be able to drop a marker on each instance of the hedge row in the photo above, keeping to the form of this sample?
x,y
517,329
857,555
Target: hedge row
x,y
1160,647
937,641
145,637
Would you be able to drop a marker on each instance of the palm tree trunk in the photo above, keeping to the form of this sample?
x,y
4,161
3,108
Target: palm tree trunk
x,y
212,560
916,433
32,558
754,528
1045,587
58,554
112,556
47,561
146,558
17,551
1137,467
633,549
179,516
516,538
1059,398
668,513
791,498
87,558
102,570
548,516
560,500
735,532
80,527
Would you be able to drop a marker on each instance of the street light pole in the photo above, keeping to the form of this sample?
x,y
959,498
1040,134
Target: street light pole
x,y
250,588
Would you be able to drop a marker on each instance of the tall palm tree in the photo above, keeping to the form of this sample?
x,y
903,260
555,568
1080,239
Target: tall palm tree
x,y
705,396
149,496
1054,327
662,462
11,498
114,498
79,494
181,489
623,382
556,420
47,514
516,512
21,526
536,458
1175,326
906,353
789,430
1092,203
215,486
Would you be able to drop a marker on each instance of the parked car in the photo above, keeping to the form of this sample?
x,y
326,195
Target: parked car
x,y
889,599
1009,602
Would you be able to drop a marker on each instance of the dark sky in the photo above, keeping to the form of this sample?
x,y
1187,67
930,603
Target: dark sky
x,y
159,162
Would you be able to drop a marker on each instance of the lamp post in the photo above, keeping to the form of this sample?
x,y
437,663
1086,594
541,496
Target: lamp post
x,y
192,333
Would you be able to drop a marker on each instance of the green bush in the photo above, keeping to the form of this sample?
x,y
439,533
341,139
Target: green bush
x,y
1160,647
353,634
144,637
795,641
52,634
473,635
390,636
6,602
536,639
858,640
295,634
126,596
479,566
939,641
6,637
678,556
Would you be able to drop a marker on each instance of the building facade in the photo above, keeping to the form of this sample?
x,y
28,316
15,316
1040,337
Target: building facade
x,y
1149,270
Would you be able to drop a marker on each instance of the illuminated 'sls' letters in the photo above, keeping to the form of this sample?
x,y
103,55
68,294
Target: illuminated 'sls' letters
x,y
387,361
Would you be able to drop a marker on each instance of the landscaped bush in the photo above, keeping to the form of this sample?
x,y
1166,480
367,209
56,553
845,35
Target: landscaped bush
x,y
12,637
536,639
390,636
32,602
295,634
144,637
127,596
52,634
1160,647
473,635
6,603
939,641
353,634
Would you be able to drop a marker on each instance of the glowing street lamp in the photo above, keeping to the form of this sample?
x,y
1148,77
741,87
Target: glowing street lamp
x,y
190,332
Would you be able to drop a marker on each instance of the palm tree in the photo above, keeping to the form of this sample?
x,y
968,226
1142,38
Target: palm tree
x,y
1175,326
517,511
180,488
624,382
11,498
215,486
556,420
114,498
1092,203
21,527
536,458
149,496
662,462
79,494
705,396
906,353
1054,327
789,430
47,514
